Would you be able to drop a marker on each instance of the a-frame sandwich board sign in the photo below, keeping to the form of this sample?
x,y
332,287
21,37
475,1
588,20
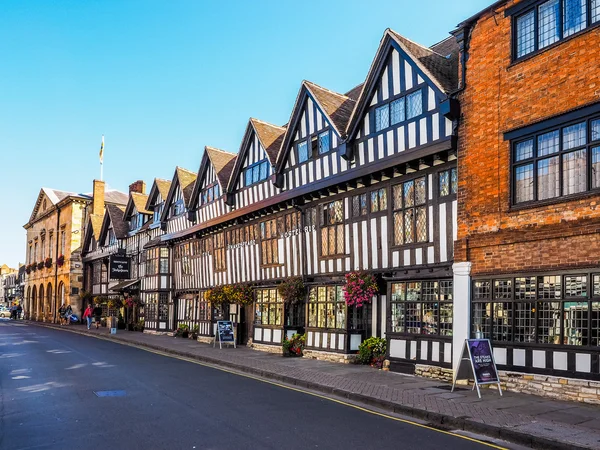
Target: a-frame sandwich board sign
x,y
477,363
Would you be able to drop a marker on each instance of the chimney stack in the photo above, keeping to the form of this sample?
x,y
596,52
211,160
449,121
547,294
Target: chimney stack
x,y
138,186
98,198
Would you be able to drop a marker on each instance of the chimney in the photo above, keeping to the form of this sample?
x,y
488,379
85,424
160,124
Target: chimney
x,y
98,198
138,186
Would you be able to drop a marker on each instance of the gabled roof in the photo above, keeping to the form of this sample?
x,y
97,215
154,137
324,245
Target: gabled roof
x,y
138,201
270,137
115,197
223,163
185,180
55,196
114,215
440,69
354,93
159,186
336,107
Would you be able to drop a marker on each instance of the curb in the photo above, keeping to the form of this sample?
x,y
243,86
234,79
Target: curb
x,y
438,420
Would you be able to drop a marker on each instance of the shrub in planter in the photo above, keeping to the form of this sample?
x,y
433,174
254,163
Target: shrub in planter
x,y
139,326
182,331
360,288
195,332
292,290
60,260
48,263
372,351
294,346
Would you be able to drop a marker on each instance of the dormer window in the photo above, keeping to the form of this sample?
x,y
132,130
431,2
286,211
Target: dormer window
x,y
112,239
256,172
399,110
302,151
157,212
210,193
324,142
178,208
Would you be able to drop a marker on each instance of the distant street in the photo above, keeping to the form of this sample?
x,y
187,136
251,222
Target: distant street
x,y
48,381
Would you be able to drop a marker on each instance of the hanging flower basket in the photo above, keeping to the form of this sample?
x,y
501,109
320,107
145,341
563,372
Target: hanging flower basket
x,y
240,294
114,303
60,260
33,266
130,302
40,265
292,290
48,263
360,288
28,268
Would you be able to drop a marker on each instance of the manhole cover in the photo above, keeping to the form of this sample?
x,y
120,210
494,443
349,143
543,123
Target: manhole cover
x,y
110,393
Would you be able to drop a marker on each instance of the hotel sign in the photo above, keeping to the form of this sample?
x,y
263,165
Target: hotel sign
x,y
119,267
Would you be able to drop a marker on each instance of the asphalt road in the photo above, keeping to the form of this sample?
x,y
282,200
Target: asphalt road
x,y
49,380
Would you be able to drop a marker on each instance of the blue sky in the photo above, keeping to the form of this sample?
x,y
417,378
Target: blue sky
x,y
162,79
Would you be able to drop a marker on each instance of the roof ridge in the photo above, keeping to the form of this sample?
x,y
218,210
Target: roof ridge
x,y
443,40
185,170
325,89
208,147
413,42
254,119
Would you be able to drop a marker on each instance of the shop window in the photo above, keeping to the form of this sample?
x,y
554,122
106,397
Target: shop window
x,y
422,307
326,307
268,307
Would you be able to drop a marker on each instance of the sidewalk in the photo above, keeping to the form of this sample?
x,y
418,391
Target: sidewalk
x,y
520,418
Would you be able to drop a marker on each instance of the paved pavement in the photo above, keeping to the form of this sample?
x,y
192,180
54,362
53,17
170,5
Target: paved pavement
x,y
525,419
67,391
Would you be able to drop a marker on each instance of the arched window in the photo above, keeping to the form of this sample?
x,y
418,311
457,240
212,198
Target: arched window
x,y
61,293
41,298
33,311
49,298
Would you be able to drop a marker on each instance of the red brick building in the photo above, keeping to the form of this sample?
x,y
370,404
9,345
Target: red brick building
x,y
528,249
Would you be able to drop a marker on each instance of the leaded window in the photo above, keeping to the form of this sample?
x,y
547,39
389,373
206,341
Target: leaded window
x,y
422,307
326,307
448,182
359,205
332,228
556,20
268,308
399,110
555,163
302,151
178,208
414,104
219,254
256,172
324,142
269,238
379,200
210,193
382,117
410,212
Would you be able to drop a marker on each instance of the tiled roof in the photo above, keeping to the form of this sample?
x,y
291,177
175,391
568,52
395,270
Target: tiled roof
x,y
270,136
354,93
223,163
139,200
163,187
186,183
120,227
338,107
56,196
441,69
116,197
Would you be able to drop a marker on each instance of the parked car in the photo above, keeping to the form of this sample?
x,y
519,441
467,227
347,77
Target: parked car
x,y
4,311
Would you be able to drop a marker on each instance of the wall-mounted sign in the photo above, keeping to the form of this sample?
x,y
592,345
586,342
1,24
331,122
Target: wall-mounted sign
x,y
119,267
241,244
297,231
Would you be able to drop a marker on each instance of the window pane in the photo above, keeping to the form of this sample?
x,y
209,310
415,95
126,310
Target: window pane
x,y
454,180
397,196
596,291
596,167
324,244
409,191
339,216
525,288
524,183
444,183
264,169
574,16
525,34
596,123
575,318
549,287
374,201
397,107
409,226
421,225
382,117
595,318
398,228
574,172
413,318
414,104
420,191
548,178
548,143
255,174
524,150
548,323
482,318
382,199
524,322
397,317
574,136
340,239
595,10
481,290
502,330
332,241
548,23
302,152
363,204
575,286
356,206
430,315
324,142
503,289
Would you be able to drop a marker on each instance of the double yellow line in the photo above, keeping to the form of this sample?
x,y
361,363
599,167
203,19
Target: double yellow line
x,y
262,380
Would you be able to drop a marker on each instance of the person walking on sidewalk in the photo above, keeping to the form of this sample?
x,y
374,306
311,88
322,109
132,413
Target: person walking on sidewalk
x,y
97,314
87,315
61,313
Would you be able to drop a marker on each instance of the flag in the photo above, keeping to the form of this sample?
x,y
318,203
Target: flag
x,y
102,150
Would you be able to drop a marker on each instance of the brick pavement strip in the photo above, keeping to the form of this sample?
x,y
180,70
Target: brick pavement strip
x,y
417,397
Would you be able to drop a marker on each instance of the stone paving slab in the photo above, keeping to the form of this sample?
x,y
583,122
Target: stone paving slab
x,y
520,418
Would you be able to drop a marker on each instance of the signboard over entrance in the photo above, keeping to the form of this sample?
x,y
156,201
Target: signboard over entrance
x,y
225,333
477,362
119,267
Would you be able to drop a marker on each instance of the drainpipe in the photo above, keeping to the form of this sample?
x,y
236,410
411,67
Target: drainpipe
x,y
56,259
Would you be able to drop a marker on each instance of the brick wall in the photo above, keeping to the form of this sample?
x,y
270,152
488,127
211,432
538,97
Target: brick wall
x,y
501,96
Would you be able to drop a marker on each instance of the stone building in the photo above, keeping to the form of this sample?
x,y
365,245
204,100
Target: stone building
x,y
8,278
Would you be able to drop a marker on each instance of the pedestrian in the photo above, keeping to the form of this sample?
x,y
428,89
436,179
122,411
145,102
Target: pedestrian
x,y
97,314
61,313
13,312
19,311
87,315
68,313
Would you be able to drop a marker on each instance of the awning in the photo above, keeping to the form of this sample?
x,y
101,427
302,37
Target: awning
x,y
128,285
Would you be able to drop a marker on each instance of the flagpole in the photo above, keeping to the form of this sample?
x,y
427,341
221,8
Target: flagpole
x,y
102,159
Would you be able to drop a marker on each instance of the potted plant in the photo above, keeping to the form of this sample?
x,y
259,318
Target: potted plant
x,y
182,331
48,263
372,351
360,288
139,326
294,346
195,332
60,260
292,290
